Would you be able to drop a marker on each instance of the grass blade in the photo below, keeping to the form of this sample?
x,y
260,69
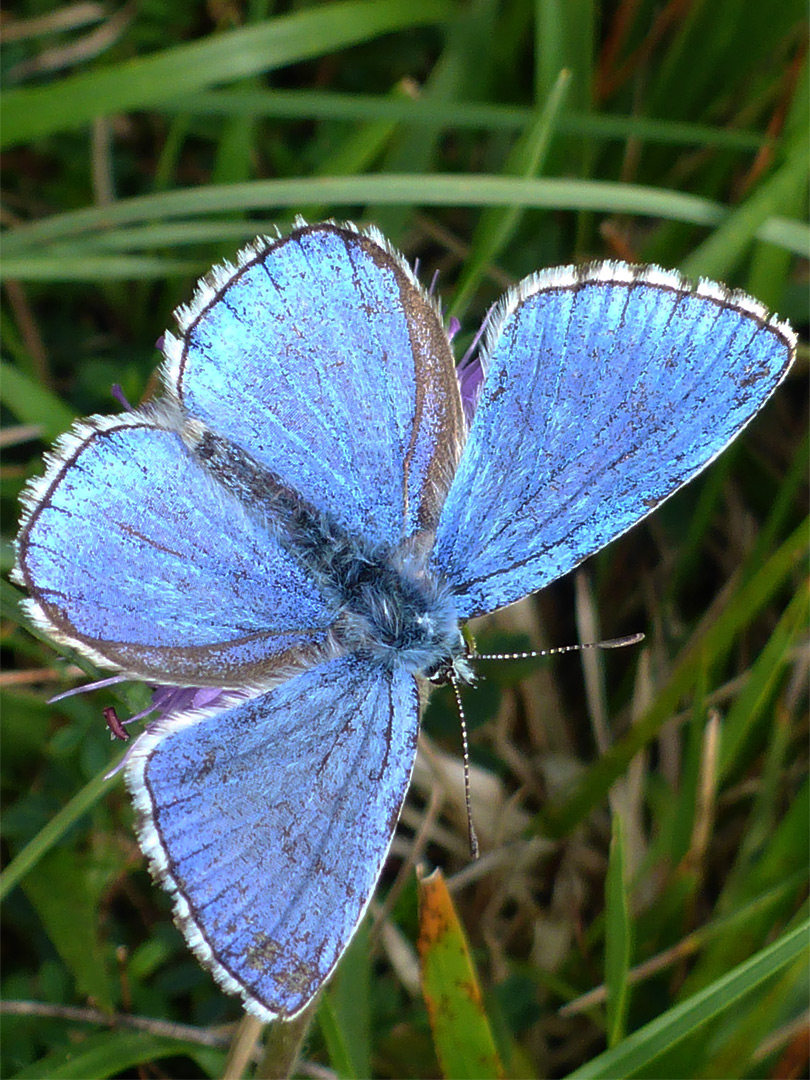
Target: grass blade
x,y
644,1046
427,190
498,225
617,936
53,832
31,113
461,1031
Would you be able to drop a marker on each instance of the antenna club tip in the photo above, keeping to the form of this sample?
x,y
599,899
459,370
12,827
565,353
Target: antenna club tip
x,y
620,643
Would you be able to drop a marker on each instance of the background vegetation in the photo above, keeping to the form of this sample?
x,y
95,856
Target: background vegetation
x,y
640,908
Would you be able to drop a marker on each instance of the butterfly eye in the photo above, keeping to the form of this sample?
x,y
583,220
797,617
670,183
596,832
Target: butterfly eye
x,y
441,673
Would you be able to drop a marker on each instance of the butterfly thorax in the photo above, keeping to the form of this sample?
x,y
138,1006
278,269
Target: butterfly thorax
x,y
397,613
387,603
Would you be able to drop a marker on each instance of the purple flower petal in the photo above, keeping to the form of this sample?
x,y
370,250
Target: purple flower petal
x,y
174,699
120,397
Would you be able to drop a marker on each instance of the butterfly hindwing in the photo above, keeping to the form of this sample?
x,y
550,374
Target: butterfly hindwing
x,y
269,823
133,554
608,388
322,357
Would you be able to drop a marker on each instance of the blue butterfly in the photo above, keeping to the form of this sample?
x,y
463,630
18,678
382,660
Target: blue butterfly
x,y
306,518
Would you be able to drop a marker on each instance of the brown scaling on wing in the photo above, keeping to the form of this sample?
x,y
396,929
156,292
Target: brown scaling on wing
x,y
438,428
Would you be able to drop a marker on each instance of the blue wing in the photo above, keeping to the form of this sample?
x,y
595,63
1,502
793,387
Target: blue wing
x,y
322,358
133,554
608,388
269,823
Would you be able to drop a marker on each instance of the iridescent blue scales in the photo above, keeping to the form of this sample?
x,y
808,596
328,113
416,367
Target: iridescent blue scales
x,y
305,519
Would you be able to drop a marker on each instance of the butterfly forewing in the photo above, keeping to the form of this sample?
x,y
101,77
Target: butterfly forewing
x,y
323,358
607,390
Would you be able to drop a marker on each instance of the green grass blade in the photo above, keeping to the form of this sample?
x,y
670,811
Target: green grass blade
x,y
644,1046
720,253
427,190
55,830
350,996
329,105
617,937
101,268
464,58
282,1044
171,234
108,1053
739,610
784,501
498,225
339,1056
461,1031
564,36
70,916
765,674
31,113
356,154
755,871
32,403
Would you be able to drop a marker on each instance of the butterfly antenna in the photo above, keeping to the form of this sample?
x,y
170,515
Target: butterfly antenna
x,y
611,643
465,745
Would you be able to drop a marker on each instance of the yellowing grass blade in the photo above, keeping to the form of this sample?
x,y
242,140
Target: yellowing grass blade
x,y
461,1032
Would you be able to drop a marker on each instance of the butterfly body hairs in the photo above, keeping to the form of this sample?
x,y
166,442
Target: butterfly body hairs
x,y
307,518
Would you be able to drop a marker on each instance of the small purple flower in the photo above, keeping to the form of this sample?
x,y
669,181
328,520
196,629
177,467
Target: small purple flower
x,y
470,374
470,370
175,699
166,701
